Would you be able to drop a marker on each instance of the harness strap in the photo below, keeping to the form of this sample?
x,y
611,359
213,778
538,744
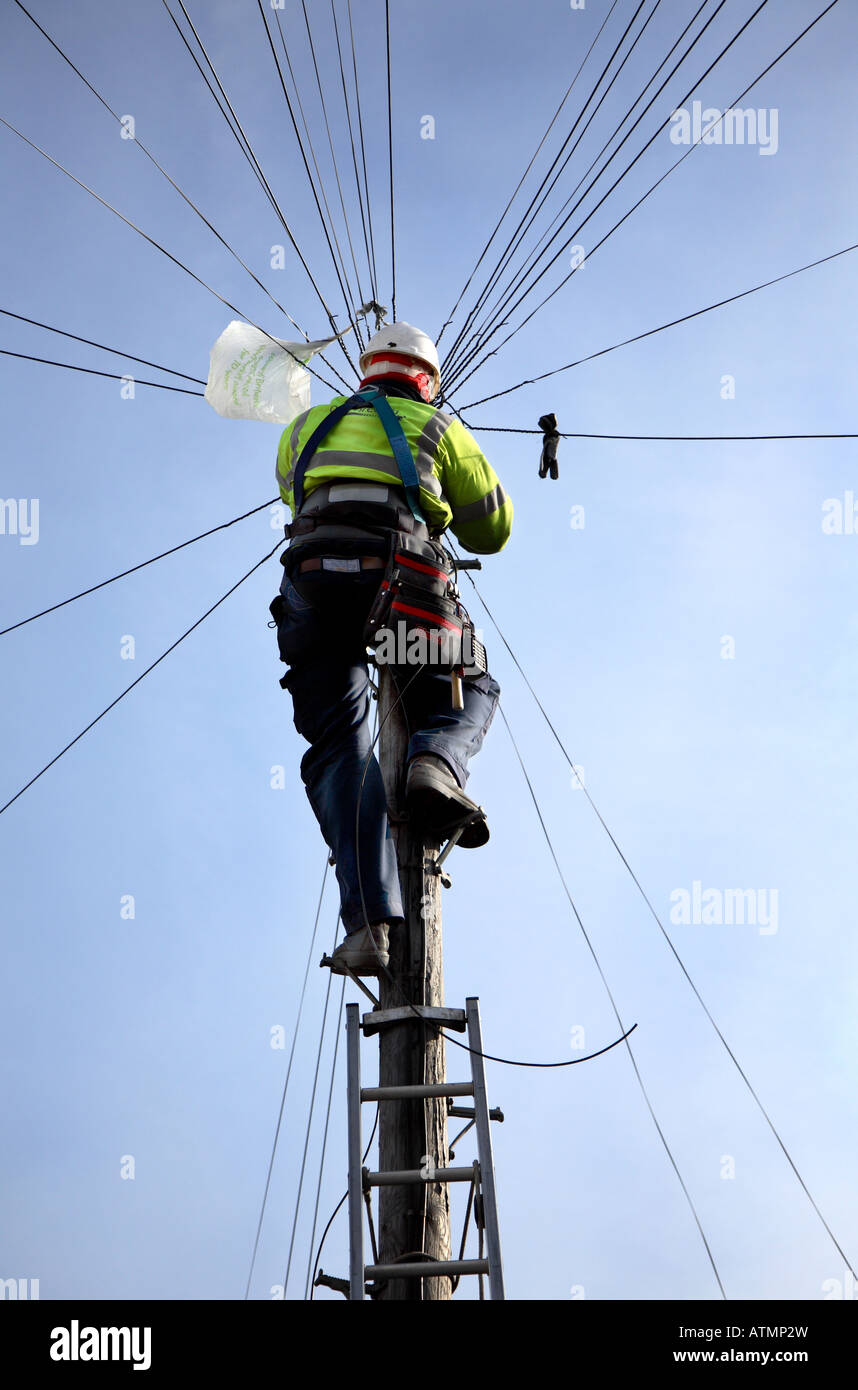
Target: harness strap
x,y
370,395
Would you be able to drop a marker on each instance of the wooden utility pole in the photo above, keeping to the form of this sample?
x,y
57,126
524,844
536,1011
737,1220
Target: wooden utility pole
x,y
412,1220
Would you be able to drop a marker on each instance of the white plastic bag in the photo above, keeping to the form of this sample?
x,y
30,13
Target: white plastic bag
x,y
254,377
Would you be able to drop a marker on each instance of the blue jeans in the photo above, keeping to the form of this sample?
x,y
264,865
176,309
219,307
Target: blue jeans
x,y
320,636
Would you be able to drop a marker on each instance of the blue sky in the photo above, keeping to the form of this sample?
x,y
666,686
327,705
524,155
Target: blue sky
x,y
151,1037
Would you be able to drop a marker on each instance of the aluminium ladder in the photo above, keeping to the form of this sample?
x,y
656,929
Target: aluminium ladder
x,y
481,1174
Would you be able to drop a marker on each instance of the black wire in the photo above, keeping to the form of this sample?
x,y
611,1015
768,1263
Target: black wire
x,y
255,165
614,1006
151,157
369,262
286,1082
342,278
337,1035
663,438
638,337
237,134
22,318
536,251
520,276
310,1119
665,175
129,688
661,926
112,376
363,153
612,136
469,319
539,198
157,246
360,299
500,220
501,313
342,1199
502,309
164,553
390,157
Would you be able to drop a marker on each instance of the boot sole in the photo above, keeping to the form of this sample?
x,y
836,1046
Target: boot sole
x,y
362,965
441,809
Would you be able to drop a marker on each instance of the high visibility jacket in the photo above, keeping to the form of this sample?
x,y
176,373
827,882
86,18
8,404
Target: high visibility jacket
x,y
459,488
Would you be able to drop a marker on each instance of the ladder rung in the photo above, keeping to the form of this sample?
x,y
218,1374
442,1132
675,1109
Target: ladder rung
x,y
435,1088
428,1269
403,1176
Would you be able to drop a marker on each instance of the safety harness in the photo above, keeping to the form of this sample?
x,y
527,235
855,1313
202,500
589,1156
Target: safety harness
x,y
370,395
417,616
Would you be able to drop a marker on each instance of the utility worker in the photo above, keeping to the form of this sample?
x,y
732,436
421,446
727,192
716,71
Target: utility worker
x,y
353,490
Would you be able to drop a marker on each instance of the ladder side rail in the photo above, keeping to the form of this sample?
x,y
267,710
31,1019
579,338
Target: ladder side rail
x,y
356,1266
484,1149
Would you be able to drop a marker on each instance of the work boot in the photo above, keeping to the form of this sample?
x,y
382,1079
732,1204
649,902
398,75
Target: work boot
x,y
437,804
365,952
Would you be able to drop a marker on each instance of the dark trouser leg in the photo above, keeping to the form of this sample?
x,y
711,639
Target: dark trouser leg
x,y
329,684
437,728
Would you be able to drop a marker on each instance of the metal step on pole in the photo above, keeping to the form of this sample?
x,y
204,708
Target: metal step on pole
x,y
481,1174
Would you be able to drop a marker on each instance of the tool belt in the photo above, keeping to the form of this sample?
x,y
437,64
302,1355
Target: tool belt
x,y
418,618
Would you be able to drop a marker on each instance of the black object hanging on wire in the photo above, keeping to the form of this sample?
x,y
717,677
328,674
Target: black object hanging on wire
x,y
551,438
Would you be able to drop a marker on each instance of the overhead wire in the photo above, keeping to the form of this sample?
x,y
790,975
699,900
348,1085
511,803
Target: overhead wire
x,y
664,176
152,242
661,438
661,1134
312,1108
142,676
92,371
673,323
133,569
347,107
477,428
611,137
245,145
141,146
338,1033
451,355
22,318
286,1080
390,157
359,109
407,1003
324,106
518,276
334,247
449,319
505,310
661,927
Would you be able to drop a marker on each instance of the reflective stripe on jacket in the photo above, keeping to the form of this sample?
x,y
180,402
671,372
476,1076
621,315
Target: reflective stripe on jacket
x,y
459,488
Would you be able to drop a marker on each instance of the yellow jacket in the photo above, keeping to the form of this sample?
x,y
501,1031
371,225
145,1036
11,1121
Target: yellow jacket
x,y
459,489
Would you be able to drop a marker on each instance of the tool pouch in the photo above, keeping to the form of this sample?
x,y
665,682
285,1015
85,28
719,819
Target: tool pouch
x,y
417,617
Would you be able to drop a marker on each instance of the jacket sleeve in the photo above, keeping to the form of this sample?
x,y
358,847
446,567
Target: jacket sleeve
x,y
482,511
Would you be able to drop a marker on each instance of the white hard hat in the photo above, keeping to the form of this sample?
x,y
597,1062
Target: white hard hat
x,y
402,341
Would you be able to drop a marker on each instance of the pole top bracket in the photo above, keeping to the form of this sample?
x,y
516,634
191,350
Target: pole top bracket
x,y
383,1018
